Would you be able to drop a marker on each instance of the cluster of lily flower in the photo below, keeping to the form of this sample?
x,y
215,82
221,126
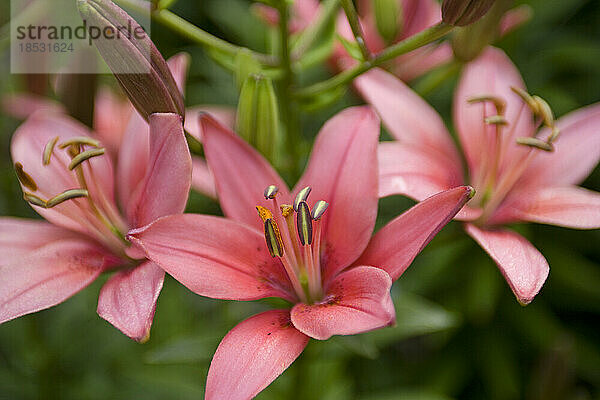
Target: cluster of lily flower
x,y
114,198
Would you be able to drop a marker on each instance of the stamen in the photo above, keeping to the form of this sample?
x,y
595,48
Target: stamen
x,y
499,103
34,200
264,213
286,210
48,150
535,142
544,111
496,120
74,150
84,156
271,192
527,98
25,179
304,224
302,196
79,140
554,135
66,195
273,239
319,209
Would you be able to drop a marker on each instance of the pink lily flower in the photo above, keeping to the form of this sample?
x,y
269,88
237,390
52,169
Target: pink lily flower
x,y
89,205
325,261
514,183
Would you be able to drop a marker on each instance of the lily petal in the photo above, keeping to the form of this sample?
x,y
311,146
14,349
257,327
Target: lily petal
x,y
128,299
168,178
342,170
49,275
356,301
413,171
523,266
214,257
179,65
252,355
223,114
111,118
396,245
241,173
203,180
22,105
570,207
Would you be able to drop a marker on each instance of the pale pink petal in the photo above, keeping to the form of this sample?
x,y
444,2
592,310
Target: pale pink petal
x,y
342,170
515,18
241,173
412,171
128,299
133,158
27,147
396,245
577,150
22,105
223,114
418,62
252,355
202,179
214,257
303,13
571,207
179,65
408,117
49,275
523,266
20,236
111,115
356,301
166,186
492,73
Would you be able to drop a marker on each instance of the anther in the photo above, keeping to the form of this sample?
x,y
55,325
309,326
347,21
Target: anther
x,y
25,179
302,196
304,223
79,140
48,150
535,142
319,209
34,200
554,135
496,120
499,103
273,239
527,98
84,156
286,210
544,111
264,213
66,195
271,192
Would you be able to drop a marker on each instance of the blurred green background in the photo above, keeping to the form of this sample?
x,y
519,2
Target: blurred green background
x,y
460,333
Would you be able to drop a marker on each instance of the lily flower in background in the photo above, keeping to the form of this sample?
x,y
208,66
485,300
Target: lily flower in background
x,y
318,255
90,204
524,165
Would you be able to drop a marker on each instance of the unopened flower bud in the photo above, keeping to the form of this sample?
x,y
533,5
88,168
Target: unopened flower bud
x,y
258,115
245,65
464,12
388,18
137,64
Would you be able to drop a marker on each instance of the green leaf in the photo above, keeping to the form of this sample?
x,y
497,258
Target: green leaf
x,y
351,47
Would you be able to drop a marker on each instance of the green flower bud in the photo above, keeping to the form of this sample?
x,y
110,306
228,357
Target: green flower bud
x,y
258,115
388,18
464,12
137,64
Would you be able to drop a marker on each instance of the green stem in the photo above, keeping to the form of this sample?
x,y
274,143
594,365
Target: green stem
x,y
412,43
315,31
352,16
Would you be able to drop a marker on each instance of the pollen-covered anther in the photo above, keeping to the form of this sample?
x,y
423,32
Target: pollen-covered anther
x,y
498,102
544,111
286,210
34,200
271,192
25,179
304,223
84,156
496,120
66,195
527,98
48,150
319,209
264,213
273,239
79,141
536,143
301,196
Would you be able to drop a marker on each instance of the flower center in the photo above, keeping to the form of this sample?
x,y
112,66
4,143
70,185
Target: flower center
x,y
293,234
101,217
493,180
